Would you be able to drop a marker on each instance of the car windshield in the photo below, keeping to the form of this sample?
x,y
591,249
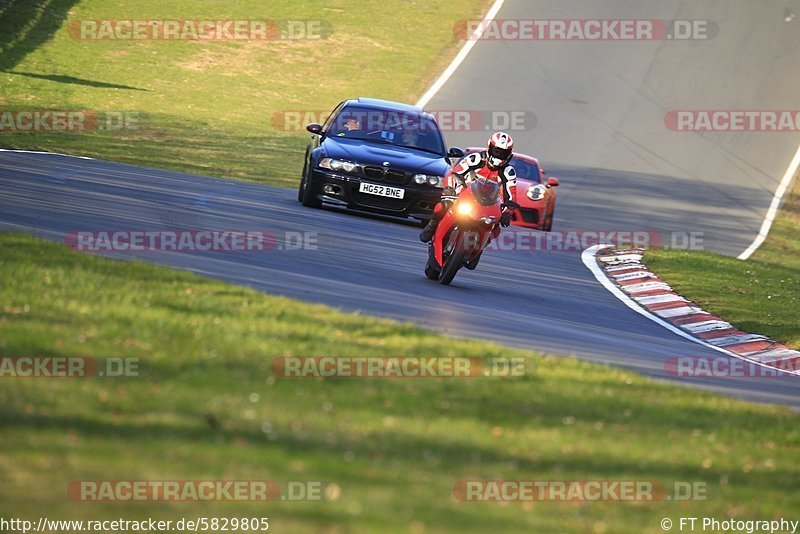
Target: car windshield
x,y
407,129
526,170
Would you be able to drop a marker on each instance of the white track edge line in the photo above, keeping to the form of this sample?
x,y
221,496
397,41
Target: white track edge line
x,y
588,258
40,152
462,54
773,207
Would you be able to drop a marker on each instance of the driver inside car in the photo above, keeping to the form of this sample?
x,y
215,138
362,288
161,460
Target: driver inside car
x,y
351,125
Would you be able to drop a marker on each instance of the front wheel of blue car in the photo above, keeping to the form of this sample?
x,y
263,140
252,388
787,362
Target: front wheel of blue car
x,y
307,195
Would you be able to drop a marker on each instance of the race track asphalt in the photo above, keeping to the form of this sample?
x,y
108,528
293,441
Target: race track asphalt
x,y
599,109
545,301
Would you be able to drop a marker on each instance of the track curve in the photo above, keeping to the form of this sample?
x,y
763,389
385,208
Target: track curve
x,y
600,127
600,114
545,301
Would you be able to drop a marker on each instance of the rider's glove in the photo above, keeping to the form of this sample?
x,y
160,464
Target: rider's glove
x,y
507,207
449,195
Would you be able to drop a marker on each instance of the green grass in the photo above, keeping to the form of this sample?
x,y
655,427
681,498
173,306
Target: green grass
x,y
207,107
760,295
394,447
207,405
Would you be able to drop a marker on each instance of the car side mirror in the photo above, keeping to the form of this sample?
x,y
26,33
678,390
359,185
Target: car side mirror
x,y
314,128
553,182
455,152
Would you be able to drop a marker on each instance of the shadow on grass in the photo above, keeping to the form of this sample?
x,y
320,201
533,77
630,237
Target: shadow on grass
x,y
452,460
74,81
25,25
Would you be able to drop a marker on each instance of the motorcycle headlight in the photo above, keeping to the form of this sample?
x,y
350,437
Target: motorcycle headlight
x,y
464,208
336,165
535,192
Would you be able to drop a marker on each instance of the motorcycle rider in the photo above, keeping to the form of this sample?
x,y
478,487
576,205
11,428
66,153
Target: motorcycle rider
x,y
492,164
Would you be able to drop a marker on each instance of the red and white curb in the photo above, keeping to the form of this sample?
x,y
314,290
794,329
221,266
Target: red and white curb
x,y
622,272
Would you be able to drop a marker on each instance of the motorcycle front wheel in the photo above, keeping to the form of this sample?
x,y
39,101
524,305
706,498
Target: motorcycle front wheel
x,y
454,262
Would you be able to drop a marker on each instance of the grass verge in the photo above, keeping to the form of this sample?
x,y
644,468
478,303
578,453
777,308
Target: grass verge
x,y
760,295
208,106
206,406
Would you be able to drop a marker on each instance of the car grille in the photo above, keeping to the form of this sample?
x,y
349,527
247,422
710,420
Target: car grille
x,y
376,173
529,216
392,176
395,177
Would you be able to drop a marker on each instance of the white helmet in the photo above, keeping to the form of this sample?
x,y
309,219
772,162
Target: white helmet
x,y
499,150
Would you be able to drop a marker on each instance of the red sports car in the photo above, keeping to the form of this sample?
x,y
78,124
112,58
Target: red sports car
x,y
535,194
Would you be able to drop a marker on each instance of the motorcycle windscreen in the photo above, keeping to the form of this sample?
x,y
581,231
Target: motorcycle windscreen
x,y
486,192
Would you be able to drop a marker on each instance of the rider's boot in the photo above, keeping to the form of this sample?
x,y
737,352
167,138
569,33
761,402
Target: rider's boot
x,y
427,233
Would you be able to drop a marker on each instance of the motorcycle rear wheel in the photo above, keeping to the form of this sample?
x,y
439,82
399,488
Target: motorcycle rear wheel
x,y
432,267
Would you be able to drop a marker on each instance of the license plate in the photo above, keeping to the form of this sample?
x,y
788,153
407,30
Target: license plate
x,y
381,190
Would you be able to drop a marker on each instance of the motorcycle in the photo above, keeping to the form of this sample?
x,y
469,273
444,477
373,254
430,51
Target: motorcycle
x,y
471,221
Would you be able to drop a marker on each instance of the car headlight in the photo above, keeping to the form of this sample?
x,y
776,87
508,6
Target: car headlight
x,y
464,208
536,192
430,179
337,165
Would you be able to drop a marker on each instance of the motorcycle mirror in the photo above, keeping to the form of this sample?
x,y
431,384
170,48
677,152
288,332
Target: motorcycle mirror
x,y
455,152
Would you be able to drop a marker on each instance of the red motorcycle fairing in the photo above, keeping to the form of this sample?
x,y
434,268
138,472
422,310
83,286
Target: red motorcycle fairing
x,y
472,165
474,220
